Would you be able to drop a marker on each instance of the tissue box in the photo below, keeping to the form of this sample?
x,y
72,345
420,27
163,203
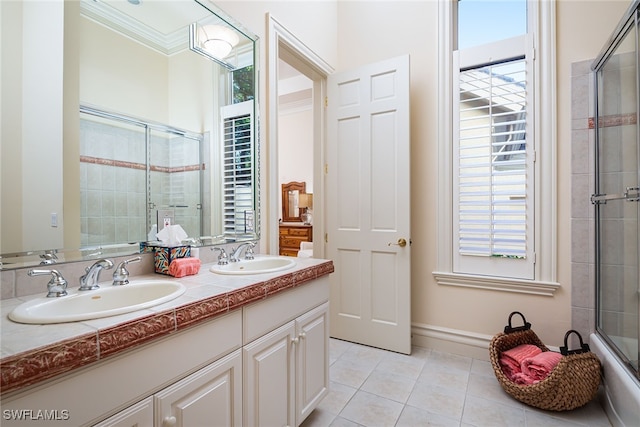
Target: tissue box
x,y
163,256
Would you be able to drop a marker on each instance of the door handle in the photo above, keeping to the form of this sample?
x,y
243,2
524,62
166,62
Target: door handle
x,y
401,242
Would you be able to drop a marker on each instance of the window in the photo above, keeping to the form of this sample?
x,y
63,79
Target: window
x,y
242,85
498,105
238,171
493,167
485,21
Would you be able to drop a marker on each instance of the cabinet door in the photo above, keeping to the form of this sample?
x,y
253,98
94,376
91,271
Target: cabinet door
x,y
312,373
209,397
269,379
138,415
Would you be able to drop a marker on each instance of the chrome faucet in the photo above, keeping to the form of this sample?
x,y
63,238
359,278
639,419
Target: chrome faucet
x,y
248,253
223,259
121,274
90,280
57,286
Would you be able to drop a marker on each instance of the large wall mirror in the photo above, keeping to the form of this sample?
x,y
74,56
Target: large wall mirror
x,y
130,114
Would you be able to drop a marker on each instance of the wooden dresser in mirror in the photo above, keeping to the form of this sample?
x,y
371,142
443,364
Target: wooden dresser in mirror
x,y
292,230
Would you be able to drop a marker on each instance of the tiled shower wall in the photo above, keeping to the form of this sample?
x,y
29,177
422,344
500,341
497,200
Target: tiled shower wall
x,y
583,289
113,182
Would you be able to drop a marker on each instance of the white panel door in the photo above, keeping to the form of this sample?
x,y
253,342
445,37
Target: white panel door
x,y
368,204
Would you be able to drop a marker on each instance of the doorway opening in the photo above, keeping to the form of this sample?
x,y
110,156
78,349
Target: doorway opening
x,y
297,81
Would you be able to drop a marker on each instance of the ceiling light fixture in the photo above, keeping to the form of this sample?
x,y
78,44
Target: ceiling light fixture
x,y
217,40
214,42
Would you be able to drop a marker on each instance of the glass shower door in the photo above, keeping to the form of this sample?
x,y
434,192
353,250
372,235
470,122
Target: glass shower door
x,y
617,198
175,183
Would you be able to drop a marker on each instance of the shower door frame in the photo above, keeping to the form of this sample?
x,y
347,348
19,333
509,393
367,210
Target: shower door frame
x,y
147,128
630,22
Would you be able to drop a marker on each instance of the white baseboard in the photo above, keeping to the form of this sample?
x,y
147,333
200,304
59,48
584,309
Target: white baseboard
x,y
464,343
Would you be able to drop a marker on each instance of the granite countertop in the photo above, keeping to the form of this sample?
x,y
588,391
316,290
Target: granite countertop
x,y
34,353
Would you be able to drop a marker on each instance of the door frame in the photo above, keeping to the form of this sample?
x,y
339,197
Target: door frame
x,y
282,43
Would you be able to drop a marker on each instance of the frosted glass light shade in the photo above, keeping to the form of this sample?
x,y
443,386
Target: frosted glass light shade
x,y
217,40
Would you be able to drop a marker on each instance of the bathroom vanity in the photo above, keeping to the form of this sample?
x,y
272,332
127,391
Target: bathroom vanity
x,y
233,350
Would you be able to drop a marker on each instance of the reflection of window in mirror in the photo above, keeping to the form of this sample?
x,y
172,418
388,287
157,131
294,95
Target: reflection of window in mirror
x,y
290,200
242,84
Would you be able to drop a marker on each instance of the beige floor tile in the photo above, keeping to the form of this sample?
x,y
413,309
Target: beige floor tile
x,y
437,399
413,417
409,368
445,376
371,411
389,385
337,398
349,372
373,387
483,412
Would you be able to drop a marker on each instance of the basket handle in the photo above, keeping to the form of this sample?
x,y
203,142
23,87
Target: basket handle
x,y
525,327
584,348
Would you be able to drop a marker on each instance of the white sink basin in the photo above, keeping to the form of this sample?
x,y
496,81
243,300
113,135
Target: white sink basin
x,y
255,266
106,301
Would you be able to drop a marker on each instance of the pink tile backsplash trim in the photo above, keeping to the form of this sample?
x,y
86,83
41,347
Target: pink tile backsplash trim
x,y
139,166
28,368
616,120
36,365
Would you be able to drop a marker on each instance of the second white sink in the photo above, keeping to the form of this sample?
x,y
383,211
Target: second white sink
x,y
263,264
103,302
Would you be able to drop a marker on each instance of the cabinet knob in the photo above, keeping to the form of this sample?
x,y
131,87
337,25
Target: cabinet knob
x,y
303,335
169,421
295,340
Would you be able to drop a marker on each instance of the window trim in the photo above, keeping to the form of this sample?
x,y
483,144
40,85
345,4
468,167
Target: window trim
x,y
545,235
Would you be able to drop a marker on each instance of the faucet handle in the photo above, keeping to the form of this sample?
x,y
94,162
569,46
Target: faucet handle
x,y
57,286
248,253
121,274
223,259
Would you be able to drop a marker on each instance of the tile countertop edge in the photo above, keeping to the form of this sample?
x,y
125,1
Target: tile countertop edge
x,y
43,363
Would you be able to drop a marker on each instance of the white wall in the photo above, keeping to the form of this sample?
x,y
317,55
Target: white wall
x,y
32,131
295,148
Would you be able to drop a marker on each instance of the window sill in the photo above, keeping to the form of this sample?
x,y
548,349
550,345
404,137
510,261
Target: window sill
x,y
501,284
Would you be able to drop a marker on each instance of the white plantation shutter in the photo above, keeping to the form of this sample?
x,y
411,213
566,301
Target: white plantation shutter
x,y
238,171
493,170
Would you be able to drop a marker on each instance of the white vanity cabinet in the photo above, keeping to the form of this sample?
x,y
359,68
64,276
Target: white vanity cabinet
x,y
138,415
210,397
286,370
312,360
269,371
264,364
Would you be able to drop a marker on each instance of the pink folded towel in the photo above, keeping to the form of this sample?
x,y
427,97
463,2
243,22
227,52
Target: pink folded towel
x,y
522,379
511,360
181,267
540,366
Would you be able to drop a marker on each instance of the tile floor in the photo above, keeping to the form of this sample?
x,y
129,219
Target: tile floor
x,y
372,387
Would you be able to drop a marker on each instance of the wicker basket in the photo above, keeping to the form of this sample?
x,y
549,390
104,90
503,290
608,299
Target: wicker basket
x,y
571,384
